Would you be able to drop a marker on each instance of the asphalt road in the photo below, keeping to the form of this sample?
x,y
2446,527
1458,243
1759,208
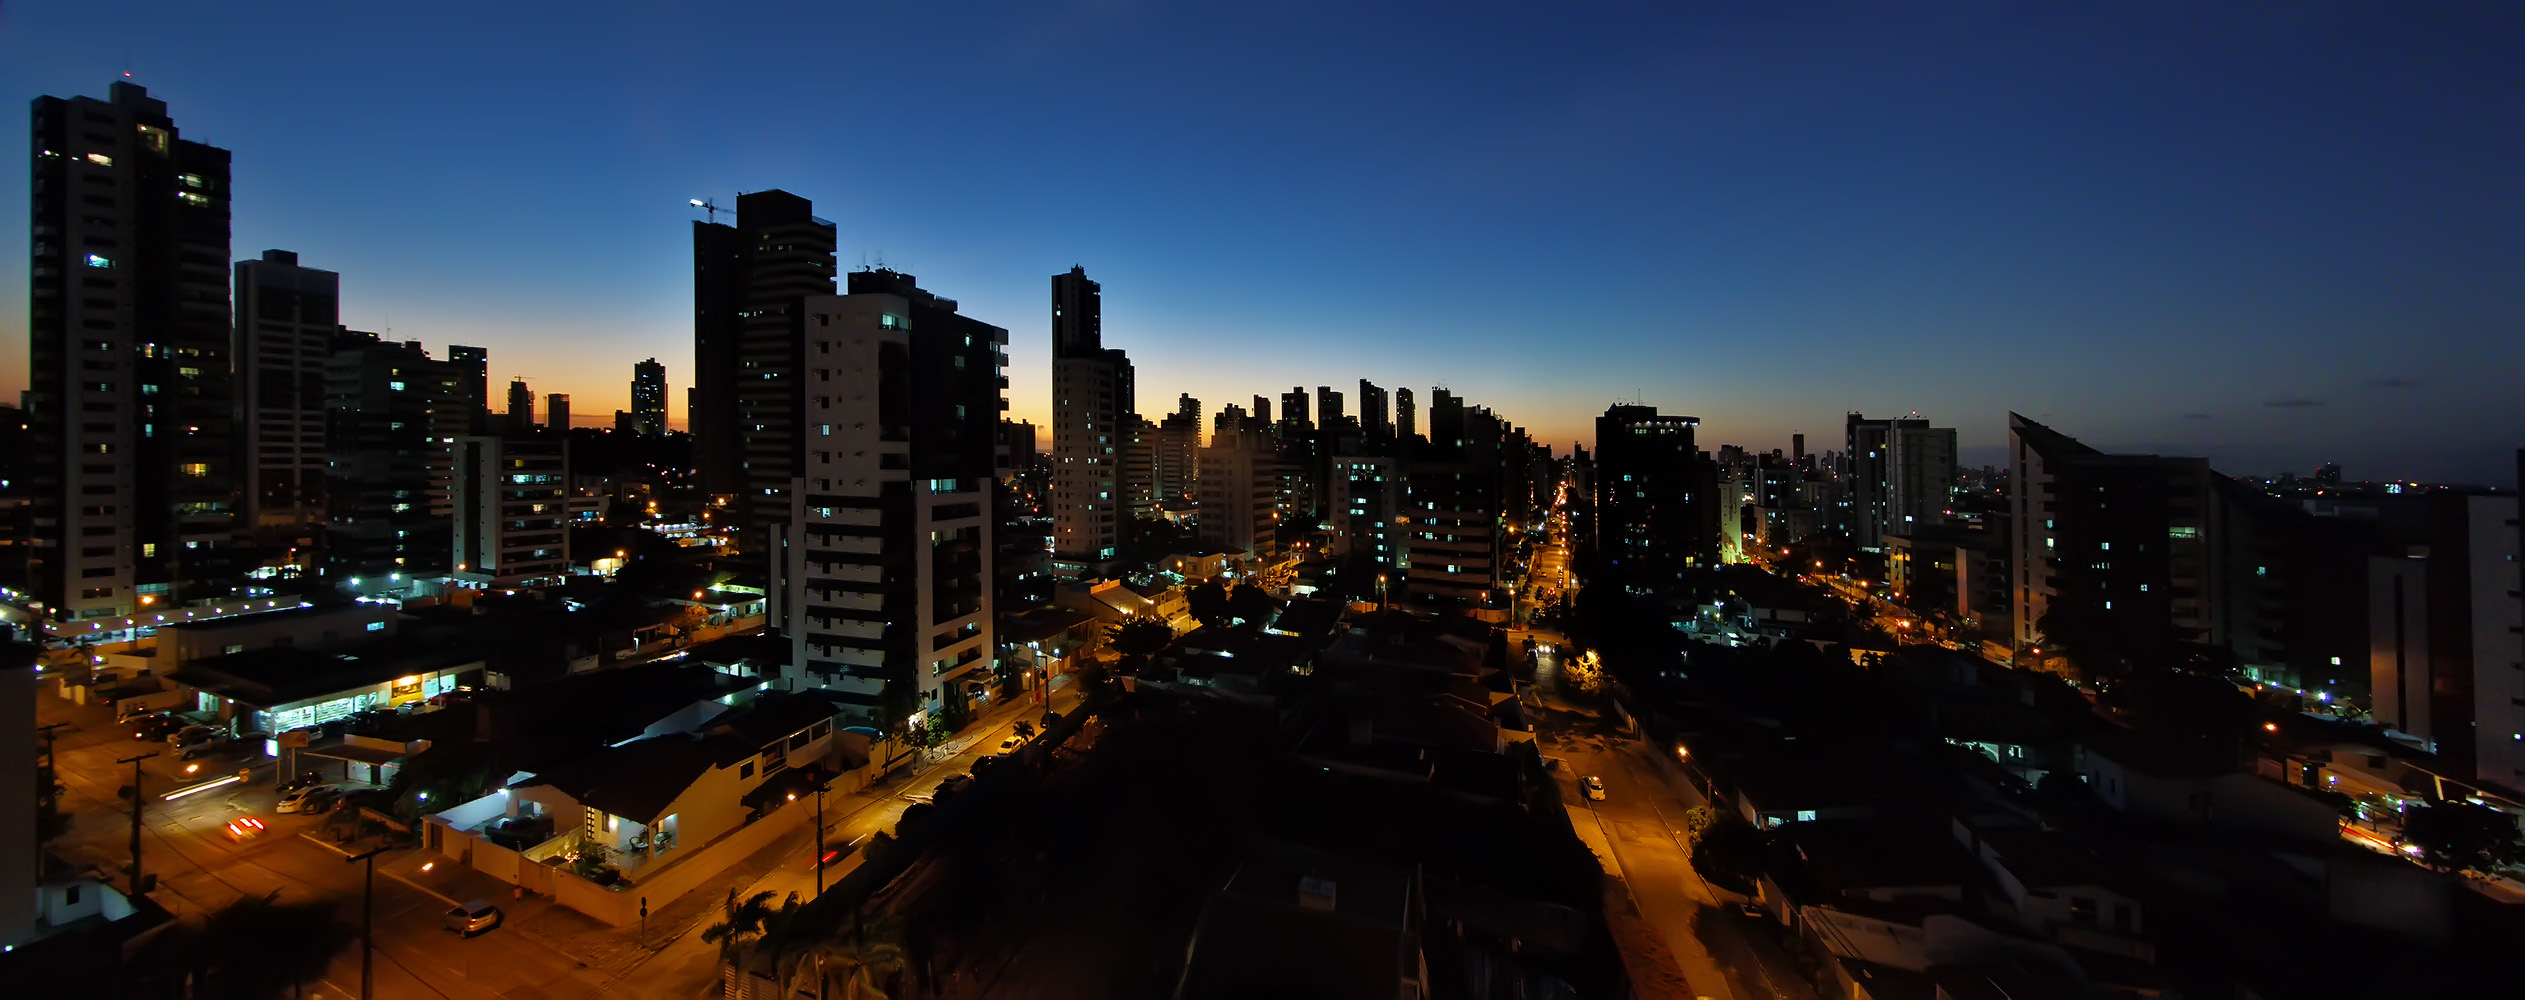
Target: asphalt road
x,y
545,953
1637,831
184,842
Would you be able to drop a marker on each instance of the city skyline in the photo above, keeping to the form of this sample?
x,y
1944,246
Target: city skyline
x,y
2126,227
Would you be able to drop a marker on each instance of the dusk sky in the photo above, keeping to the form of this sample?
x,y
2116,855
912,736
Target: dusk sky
x,y
2274,234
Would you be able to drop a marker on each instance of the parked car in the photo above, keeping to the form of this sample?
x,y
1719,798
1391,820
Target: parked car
x,y
193,741
1010,743
473,918
305,779
311,799
1049,718
1593,786
156,726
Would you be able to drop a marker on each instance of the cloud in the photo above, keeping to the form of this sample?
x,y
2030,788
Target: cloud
x,y
2196,416
2294,402
2394,382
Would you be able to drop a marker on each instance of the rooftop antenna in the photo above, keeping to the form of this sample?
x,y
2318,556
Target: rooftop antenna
x,y
711,208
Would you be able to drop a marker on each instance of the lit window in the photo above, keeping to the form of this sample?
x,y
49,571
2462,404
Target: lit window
x,y
98,261
195,200
100,159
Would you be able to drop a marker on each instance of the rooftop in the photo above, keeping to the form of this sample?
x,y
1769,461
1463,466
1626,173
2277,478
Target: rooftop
x,y
283,674
637,780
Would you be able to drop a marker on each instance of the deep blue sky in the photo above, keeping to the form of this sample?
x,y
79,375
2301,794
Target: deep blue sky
x,y
2274,233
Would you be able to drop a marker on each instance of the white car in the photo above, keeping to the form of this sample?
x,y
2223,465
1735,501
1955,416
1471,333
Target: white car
x,y
1010,743
312,799
1593,786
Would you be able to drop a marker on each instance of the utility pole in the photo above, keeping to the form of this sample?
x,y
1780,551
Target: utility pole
x,y
139,888
367,922
819,837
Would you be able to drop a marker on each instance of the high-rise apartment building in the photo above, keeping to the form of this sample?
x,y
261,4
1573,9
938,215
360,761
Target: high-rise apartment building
x,y
1657,509
1293,418
2445,623
1865,459
1375,424
469,385
1140,474
1328,408
883,574
1406,421
1367,498
393,416
511,527
1919,476
1453,548
747,282
648,398
557,412
1239,493
287,318
1179,440
521,411
1093,410
2120,543
130,405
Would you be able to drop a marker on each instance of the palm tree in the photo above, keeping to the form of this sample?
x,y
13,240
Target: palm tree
x,y
740,924
851,962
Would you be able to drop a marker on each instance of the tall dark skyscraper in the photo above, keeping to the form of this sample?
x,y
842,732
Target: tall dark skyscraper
x,y
135,484
1092,388
288,318
1294,423
392,418
1406,420
648,398
747,336
469,373
1656,496
1375,423
557,410
521,412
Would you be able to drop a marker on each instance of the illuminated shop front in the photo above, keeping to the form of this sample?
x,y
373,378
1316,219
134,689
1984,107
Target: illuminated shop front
x,y
275,691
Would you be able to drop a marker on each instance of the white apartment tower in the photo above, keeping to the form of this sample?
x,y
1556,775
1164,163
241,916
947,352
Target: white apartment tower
x,y
881,575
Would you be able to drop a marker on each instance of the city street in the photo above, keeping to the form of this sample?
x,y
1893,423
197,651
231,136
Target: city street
x,y
1637,830
541,952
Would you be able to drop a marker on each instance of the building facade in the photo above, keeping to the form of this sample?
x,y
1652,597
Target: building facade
x,y
1657,506
747,282
288,317
392,417
882,577
130,400
648,398
511,524
1093,415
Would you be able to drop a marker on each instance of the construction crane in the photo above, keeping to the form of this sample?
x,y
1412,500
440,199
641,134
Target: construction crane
x,y
710,208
